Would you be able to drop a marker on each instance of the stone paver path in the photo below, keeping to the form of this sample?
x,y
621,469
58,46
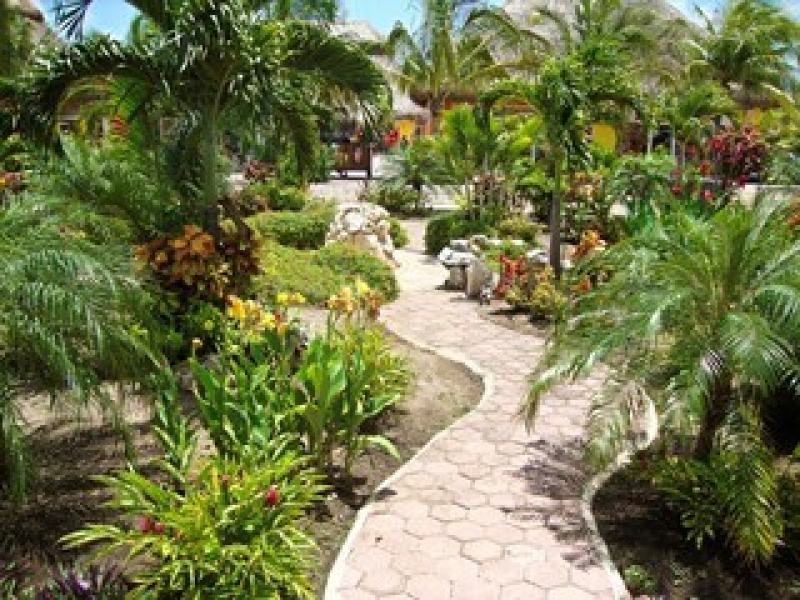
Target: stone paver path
x,y
486,510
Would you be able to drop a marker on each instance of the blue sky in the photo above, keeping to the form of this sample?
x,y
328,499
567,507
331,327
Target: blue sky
x,y
113,16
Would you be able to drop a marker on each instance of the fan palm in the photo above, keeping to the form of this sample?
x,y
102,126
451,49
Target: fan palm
x,y
219,58
748,51
456,50
704,316
70,315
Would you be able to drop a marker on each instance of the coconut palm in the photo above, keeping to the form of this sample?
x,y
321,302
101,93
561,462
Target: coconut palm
x,y
701,318
566,90
459,47
748,50
214,59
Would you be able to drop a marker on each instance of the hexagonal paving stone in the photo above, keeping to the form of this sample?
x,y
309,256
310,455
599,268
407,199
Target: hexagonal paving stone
x,y
486,515
455,568
411,509
470,498
569,593
414,564
383,581
367,559
355,594
448,512
439,546
482,550
591,580
464,531
502,571
474,470
424,526
504,533
522,591
475,588
548,574
428,587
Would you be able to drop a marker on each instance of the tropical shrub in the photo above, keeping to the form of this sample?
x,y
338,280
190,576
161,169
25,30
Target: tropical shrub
x,y
270,194
397,199
519,228
738,156
232,533
398,233
698,323
303,230
195,265
318,274
453,225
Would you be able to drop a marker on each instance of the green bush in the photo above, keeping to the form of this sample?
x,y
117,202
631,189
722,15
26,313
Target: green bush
x,y
304,229
318,274
452,225
232,533
398,233
520,228
397,199
271,194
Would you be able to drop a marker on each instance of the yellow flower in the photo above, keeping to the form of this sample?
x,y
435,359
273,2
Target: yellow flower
x,y
333,301
361,287
297,299
268,321
283,299
346,293
282,327
236,308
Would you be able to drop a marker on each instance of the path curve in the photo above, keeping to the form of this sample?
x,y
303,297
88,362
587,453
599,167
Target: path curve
x,y
486,511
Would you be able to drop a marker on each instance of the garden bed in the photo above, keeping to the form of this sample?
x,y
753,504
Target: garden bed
x,y
65,498
644,535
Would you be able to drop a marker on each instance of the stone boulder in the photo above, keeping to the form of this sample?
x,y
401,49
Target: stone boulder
x,y
364,226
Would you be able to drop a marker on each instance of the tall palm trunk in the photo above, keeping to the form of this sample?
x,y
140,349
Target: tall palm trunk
x,y
209,179
555,212
6,16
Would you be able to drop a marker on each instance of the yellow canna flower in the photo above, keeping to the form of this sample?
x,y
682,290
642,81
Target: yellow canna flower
x,y
282,328
346,293
268,321
297,299
283,299
361,287
236,308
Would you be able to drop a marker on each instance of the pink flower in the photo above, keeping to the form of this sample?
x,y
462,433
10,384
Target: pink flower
x,y
158,528
144,524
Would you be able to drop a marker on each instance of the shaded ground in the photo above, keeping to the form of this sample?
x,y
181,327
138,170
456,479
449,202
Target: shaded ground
x,y
640,530
66,498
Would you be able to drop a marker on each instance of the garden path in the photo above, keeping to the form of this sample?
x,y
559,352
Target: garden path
x,y
486,510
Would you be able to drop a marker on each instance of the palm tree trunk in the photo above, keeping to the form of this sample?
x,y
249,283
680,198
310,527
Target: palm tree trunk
x,y
555,214
209,179
5,38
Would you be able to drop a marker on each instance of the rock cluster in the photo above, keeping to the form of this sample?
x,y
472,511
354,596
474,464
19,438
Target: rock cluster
x,y
364,226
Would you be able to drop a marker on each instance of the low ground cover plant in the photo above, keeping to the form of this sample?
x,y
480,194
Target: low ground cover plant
x,y
305,229
318,274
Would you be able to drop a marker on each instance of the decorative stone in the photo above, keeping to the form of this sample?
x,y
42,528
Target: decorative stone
x,y
478,276
364,226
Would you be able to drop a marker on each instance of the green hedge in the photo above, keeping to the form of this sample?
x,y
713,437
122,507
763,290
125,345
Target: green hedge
x,y
453,225
318,274
302,230
520,228
277,196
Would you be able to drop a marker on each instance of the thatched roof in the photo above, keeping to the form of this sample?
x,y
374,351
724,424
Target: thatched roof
x,y
521,10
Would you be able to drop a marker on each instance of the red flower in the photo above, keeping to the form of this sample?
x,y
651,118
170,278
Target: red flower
x,y
708,195
677,189
705,168
144,524
272,497
158,528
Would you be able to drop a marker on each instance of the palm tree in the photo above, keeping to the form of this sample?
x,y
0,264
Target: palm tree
x,y
563,95
455,50
702,319
217,58
748,51
70,311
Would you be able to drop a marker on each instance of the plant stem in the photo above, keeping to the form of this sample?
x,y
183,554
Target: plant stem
x,y
555,215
